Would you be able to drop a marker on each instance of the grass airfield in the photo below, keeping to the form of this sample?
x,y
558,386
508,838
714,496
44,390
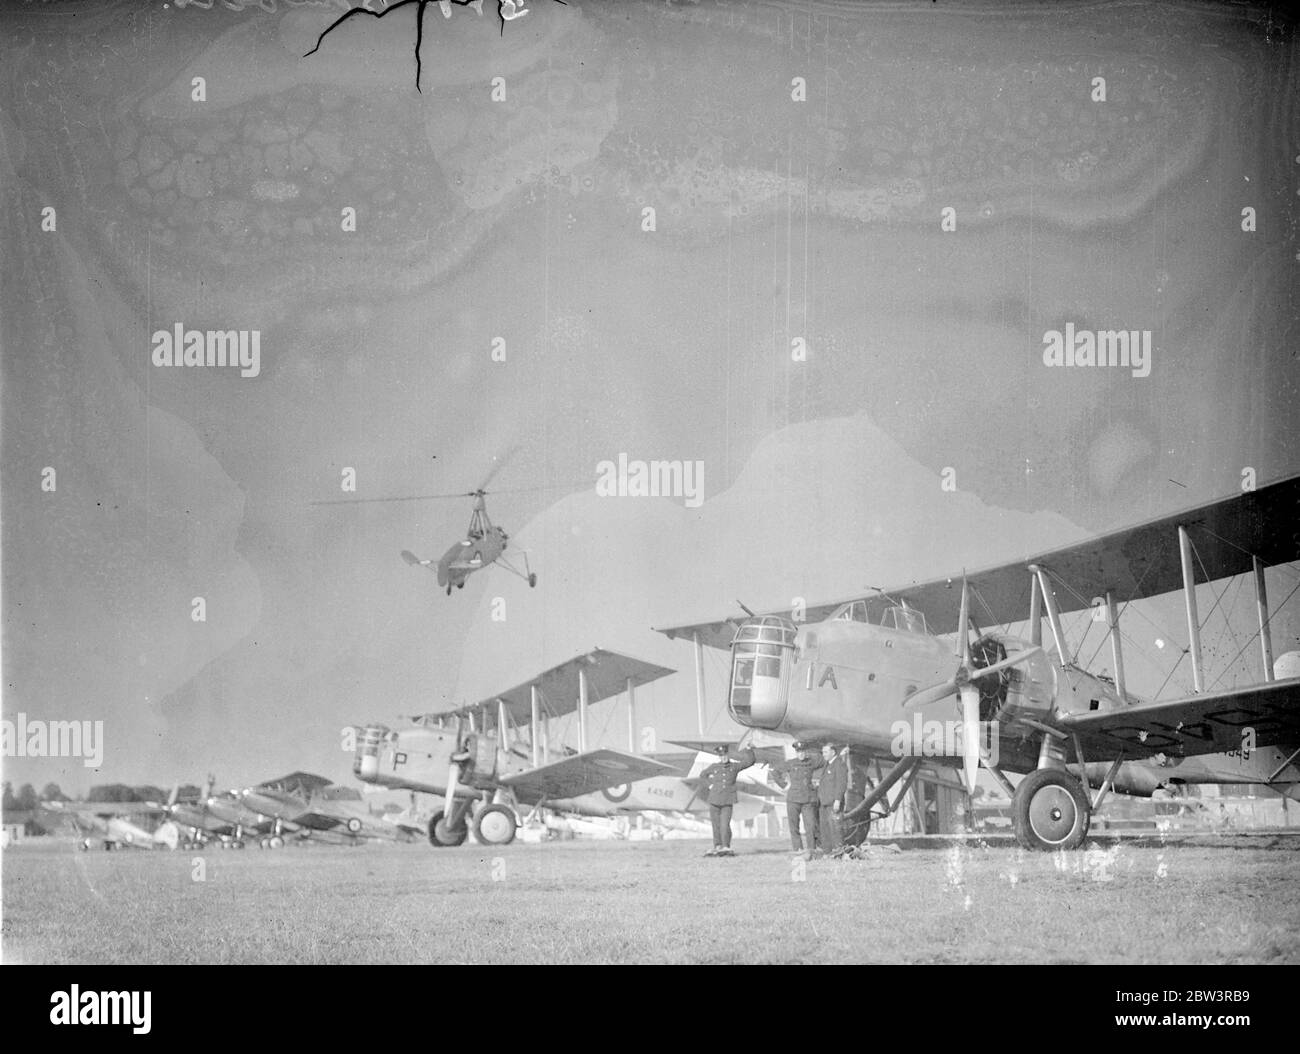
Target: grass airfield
x,y
653,902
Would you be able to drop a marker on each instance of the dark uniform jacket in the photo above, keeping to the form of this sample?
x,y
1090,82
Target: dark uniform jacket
x,y
800,772
718,781
834,781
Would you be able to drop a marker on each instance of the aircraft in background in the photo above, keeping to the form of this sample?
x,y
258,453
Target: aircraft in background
x,y
198,823
870,672
477,760
113,824
310,805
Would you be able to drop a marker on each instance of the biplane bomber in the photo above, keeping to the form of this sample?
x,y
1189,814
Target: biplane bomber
x,y
859,670
490,761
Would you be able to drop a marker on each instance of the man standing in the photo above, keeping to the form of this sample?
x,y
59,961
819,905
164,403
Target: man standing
x,y
719,786
854,832
830,795
801,797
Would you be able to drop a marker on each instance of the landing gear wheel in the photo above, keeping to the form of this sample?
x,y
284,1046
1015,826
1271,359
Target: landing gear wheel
x,y
276,842
460,585
1051,811
238,843
496,825
441,835
354,824
532,581
261,843
449,589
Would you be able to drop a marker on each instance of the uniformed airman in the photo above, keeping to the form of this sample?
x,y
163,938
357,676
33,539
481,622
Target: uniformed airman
x,y
830,795
719,789
801,797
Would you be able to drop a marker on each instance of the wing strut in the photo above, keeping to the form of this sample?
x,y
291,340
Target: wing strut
x,y
1053,615
699,684
1189,600
1261,606
1116,652
534,721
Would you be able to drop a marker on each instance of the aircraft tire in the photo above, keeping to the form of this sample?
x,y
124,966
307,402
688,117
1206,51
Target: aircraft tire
x,y
354,824
440,836
275,842
1051,811
532,581
500,828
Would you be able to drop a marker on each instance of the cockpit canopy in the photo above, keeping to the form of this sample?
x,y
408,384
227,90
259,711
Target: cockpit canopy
x,y
895,617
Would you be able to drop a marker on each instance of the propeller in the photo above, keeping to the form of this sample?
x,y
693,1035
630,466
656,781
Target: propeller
x,y
453,778
961,684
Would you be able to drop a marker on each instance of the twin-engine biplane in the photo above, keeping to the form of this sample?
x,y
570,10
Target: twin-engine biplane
x,y
859,671
489,761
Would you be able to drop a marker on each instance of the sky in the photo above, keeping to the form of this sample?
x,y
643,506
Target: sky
x,y
503,300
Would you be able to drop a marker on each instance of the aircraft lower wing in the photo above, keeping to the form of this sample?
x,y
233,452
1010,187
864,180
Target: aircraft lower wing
x,y
1199,724
571,777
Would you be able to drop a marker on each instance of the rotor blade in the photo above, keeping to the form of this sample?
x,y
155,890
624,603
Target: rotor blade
x,y
457,494
499,465
970,738
1010,660
932,694
409,497
572,484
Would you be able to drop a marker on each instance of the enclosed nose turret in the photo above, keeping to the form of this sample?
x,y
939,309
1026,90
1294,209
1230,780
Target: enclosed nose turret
x,y
762,655
365,763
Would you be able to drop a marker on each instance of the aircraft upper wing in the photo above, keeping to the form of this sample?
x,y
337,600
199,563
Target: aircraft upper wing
x,y
1134,562
607,675
305,782
1196,724
580,774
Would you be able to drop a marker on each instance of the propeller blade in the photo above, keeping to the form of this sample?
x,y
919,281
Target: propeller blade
x,y
963,622
970,739
932,694
176,793
449,802
1010,660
